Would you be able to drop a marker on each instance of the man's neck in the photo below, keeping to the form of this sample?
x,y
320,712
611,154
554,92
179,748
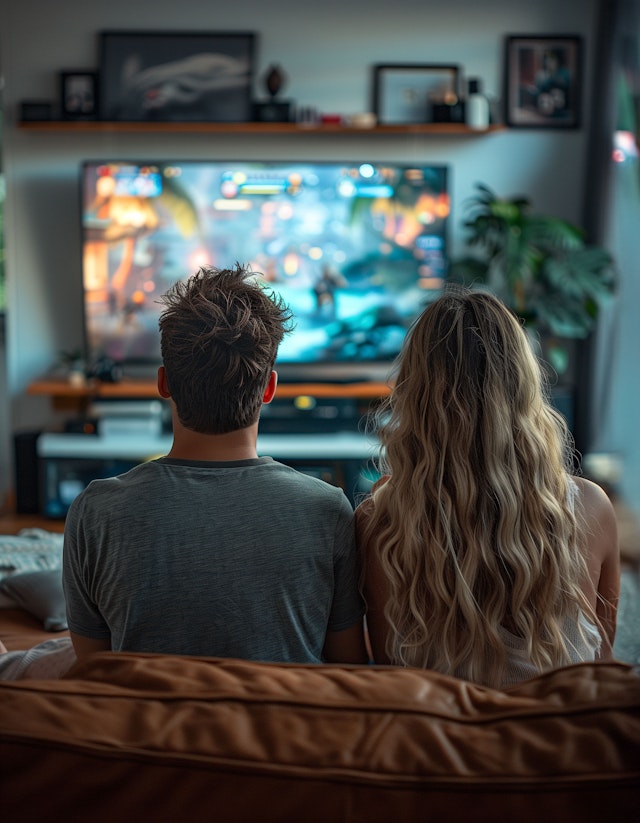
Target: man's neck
x,y
236,445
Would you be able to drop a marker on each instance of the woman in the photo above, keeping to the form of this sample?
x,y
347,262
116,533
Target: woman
x,y
482,556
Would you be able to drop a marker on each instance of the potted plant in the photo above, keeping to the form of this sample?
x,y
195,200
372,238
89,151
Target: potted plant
x,y
74,366
540,266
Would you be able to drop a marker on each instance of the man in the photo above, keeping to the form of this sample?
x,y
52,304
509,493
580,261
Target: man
x,y
213,550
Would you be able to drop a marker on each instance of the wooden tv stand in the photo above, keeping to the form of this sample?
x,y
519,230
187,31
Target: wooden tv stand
x,y
66,396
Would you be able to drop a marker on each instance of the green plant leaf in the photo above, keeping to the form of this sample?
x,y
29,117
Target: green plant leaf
x,y
565,318
551,233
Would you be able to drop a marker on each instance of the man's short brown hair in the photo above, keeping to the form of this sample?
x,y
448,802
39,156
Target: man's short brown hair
x,y
219,337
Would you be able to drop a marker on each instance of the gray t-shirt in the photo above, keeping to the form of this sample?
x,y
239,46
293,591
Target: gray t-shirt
x,y
248,559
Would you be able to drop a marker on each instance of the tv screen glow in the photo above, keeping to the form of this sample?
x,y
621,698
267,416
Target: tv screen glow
x,y
356,249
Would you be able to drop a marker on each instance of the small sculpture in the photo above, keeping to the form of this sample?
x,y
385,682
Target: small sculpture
x,y
275,79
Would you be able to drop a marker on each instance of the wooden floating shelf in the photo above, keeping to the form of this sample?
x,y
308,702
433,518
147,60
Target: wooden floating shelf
x,y
61,389
98,126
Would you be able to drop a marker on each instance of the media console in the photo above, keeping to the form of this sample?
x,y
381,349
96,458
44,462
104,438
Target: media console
x,y
68,462
316,428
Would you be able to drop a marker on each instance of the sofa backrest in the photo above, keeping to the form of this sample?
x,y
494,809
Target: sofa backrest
x,y
167,738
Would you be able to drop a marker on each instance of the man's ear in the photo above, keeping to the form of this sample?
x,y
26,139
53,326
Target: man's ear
x,y
163,386
270,391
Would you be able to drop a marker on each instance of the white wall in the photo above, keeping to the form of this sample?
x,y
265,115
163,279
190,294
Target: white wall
x,y
328,51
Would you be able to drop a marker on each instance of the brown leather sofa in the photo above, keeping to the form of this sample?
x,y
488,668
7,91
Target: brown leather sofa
x,y
127,737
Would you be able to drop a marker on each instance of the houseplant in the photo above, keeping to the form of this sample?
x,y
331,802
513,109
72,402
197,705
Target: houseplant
x,y
539,265
74,365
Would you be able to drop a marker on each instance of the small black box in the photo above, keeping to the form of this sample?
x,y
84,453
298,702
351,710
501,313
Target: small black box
x,y
33,111
448,113
278,111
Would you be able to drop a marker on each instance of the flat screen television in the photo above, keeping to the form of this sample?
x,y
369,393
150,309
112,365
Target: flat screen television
x,y
355,248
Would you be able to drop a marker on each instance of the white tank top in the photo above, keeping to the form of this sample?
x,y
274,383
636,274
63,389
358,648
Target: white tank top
x,y
582,648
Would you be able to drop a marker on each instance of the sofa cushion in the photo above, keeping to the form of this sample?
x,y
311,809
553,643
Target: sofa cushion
x,y
39,593
168,738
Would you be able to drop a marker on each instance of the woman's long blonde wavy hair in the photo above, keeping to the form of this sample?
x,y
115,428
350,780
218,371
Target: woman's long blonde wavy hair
x,y
475,529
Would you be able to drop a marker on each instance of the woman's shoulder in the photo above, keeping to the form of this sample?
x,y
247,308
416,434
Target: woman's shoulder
x,y
599,516
593,498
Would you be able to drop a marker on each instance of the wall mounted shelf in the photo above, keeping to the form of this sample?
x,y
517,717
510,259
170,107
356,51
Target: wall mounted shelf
x,y
97,126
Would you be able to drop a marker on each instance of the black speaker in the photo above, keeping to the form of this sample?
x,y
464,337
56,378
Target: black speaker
x,y
27,484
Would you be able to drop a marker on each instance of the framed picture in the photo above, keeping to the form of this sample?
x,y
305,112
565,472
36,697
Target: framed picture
x,y
406,93
543,82
168,76
79,95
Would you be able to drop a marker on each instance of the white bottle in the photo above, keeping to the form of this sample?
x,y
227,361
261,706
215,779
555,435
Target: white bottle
x,y
477,107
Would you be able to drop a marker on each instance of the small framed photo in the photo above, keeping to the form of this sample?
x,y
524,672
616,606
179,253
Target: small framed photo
x,y
79,95
405,93
176,76
543,81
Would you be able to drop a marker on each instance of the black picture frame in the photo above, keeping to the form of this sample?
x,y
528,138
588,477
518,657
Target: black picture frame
x,y
78,95
405,93
543,81
161,76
